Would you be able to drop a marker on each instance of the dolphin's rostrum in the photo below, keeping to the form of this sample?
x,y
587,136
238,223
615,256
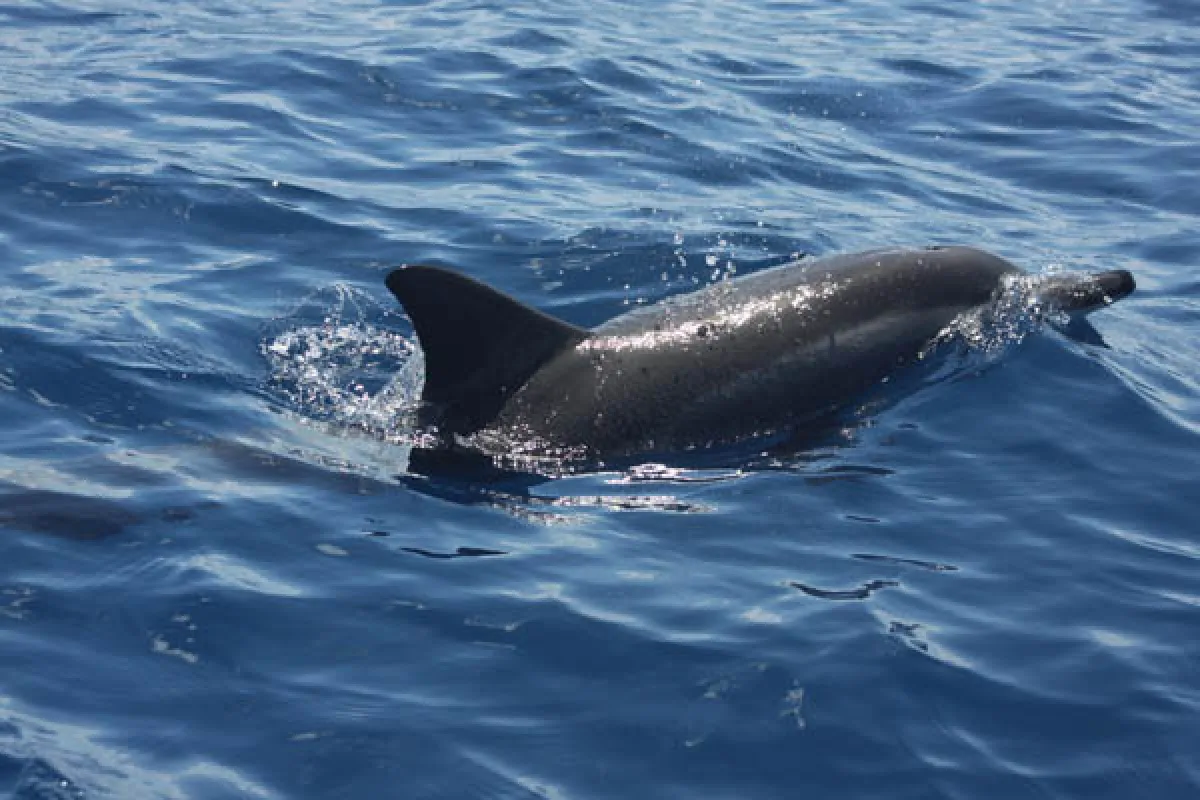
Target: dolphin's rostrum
x,y
756,355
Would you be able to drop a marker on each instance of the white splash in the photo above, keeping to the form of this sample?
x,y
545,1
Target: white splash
x,y
1017,312
345,368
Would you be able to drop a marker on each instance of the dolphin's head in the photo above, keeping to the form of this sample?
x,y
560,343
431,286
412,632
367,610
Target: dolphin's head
x,y
1084,294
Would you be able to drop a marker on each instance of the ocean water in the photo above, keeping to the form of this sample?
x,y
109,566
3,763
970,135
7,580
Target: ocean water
x,y
221,578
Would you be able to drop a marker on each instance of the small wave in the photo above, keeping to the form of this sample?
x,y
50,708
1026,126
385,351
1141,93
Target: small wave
x,y
858,593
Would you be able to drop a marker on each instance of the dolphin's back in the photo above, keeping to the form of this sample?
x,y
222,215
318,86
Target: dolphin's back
x,y
751,355
869,282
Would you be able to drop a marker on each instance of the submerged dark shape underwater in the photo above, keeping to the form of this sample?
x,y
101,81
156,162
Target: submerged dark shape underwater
x,y
760,355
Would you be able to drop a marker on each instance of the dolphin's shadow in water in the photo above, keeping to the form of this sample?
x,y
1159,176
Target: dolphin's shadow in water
x,y
63,514
468,477
817,456
82,517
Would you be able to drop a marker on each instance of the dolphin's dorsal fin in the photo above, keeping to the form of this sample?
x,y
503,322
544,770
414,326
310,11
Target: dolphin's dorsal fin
x,y
480,345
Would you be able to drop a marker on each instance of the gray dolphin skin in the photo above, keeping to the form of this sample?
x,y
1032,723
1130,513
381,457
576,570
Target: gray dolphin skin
x,y
753,356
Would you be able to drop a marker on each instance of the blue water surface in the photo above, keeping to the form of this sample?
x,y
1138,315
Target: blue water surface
x,y
219,577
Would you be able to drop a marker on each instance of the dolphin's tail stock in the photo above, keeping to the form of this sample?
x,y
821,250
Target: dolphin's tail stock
x,y
1079,295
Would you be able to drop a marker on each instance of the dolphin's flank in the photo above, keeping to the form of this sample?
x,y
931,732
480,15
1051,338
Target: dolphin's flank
x,y
759,354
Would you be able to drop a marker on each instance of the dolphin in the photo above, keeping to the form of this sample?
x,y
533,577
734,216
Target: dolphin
x,y
759,355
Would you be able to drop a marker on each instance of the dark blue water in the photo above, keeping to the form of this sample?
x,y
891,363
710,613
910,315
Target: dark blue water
x,y
218,580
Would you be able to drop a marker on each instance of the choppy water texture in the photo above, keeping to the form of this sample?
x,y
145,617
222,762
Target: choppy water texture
x,y
217,579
